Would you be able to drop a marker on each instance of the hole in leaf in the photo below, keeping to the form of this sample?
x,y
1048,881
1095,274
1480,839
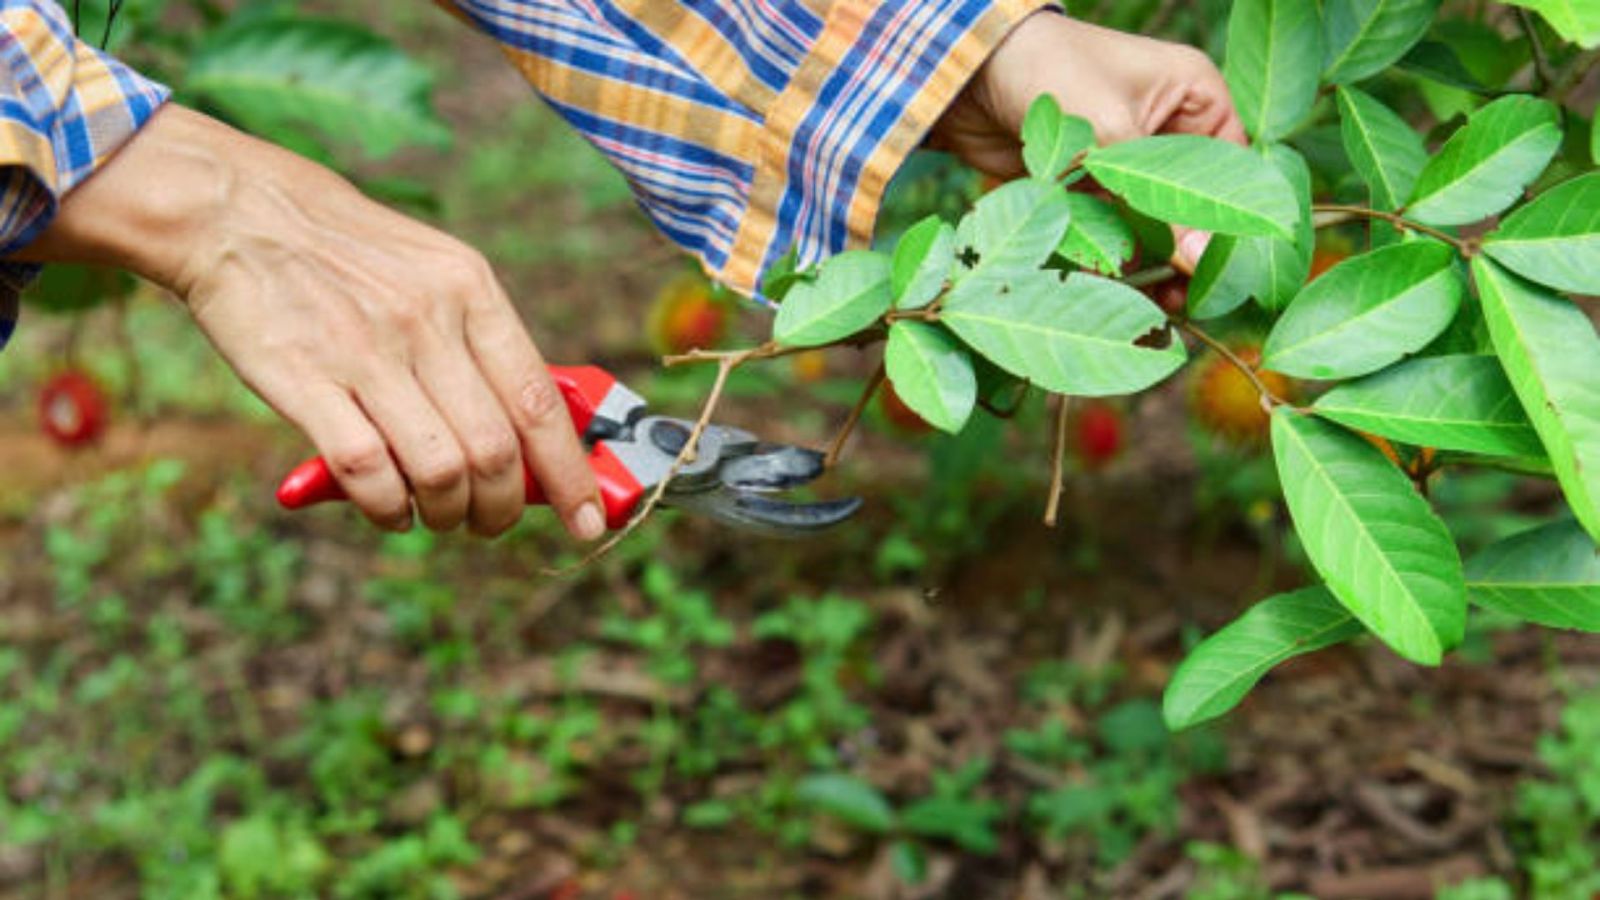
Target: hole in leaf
x,y
1158,338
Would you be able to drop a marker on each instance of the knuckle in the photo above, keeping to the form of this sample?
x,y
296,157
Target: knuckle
x,y
441,475
493,455
465,272
361,460
538,403
409,316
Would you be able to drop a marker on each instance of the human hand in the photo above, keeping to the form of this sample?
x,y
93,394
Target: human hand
x,y
391,345
1126,85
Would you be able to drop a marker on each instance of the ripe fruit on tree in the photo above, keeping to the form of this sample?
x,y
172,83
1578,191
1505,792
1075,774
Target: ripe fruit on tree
x,y
902,417
810,366
72,409
687,315
1098,433
1227,404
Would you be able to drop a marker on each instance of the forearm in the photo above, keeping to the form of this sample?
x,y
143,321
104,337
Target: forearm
x,y
168,204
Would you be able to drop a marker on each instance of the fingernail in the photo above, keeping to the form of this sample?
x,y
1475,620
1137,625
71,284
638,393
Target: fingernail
x,y
589,522
1193,246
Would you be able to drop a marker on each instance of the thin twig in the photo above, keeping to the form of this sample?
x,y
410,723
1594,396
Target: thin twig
x,y
1541,60
725,367
770,350
1465,248
1058,461
1268,398
1147,277
836,449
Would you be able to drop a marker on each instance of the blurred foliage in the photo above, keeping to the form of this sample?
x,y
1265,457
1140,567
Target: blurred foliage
x,y
240,706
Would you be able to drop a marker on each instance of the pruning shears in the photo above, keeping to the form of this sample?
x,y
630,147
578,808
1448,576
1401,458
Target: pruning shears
x,y
730,479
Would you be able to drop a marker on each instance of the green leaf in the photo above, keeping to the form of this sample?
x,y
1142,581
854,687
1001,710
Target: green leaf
x,y
1386,152
1367,312
1440,62
276,74
1012,229
1098,239
1555,240
1371,536
1367,36
68,288
1269,43
1230,272
1483,49
967,823
1219,672
1270,270
1051,140
1461,403
1552,355
848,799
784,274
909,862
1487,163
849,293
1074,337
1550,575
924,260
932,374
1199,182
1287,263
1575,20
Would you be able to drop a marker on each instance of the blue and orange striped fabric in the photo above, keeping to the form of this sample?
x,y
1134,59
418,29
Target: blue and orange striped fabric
x,y
65,107
746,127
750,127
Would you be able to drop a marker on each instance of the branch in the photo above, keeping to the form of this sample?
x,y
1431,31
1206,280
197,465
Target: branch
x,y
1268,398
1464,247
1058,462
1543,75
837,447
770,350
1147,277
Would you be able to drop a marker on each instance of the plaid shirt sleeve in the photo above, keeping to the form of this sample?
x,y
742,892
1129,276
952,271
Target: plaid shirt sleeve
x,y
65,108
750,127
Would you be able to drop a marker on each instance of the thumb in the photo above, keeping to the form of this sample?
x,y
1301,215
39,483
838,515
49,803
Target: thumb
x,y
1191,245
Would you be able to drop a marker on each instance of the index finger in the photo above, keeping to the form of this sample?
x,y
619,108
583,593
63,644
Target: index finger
x,y
515,371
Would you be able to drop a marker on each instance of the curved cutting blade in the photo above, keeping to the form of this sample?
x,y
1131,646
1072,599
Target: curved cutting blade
x,y
765,515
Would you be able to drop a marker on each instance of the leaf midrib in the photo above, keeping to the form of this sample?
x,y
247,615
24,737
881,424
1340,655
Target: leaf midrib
x,y
1335,333
1487,161
1273,660
1368,138
1191,194
1361,35
1364,533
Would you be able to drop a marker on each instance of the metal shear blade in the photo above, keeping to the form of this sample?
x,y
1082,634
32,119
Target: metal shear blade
x,y
733,489
758,514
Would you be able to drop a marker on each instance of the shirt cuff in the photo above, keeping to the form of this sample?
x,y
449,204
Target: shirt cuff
x,y
875,83
65,109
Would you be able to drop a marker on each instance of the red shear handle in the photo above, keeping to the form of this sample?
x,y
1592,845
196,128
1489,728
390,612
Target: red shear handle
x,y
312,483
